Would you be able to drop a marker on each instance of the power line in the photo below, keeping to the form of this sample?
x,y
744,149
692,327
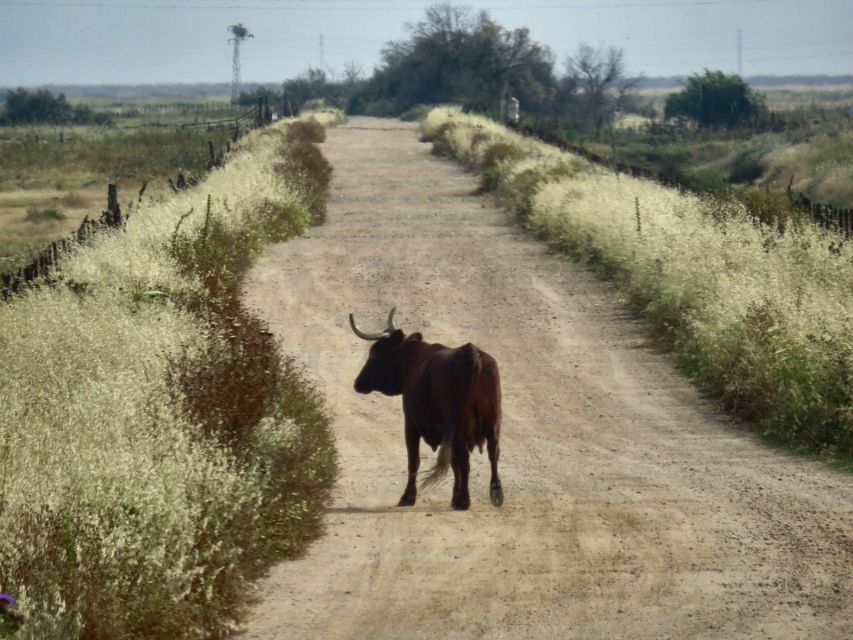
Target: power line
x,y
394,6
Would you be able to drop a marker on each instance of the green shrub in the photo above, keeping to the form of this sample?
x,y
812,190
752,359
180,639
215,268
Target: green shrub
x,y
717,100
306,131
772,209
490,163
439,138
519,188
747,167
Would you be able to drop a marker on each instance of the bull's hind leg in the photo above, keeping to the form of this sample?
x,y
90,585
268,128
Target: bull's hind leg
x,y
496,492
413,442
461,463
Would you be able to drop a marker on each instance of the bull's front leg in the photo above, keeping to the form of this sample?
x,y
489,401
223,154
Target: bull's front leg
x,y
413,444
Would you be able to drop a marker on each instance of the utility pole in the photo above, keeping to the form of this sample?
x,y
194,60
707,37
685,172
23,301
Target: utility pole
x,y
322,54
239,33
739,54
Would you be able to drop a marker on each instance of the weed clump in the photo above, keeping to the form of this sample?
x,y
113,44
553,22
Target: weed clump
x,y
303,164
491,162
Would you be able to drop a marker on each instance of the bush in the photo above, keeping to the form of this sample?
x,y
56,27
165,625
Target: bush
x,y
304,165
717,100
439,138
306,131
746,167
491,160
772,209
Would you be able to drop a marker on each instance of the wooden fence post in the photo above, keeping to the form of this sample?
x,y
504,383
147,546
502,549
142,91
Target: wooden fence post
x,y
112,216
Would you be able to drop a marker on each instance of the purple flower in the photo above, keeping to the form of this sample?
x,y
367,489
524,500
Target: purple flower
x,y
7,601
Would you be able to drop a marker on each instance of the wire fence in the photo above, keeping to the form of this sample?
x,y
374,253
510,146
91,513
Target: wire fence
x,y
46,261
825,215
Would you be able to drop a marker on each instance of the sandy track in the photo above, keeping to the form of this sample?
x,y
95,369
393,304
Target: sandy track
x,y
633,509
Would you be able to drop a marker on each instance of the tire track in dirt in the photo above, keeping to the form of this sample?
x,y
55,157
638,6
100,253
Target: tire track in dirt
x,y
633,509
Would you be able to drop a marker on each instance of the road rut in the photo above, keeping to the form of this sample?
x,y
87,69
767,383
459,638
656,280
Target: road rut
x,y
634,509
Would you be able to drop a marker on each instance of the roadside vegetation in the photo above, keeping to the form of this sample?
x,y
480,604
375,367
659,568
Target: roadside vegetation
x,y
758,318
158,449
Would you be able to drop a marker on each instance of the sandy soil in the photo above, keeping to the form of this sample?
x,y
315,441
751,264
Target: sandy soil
x,y
633,508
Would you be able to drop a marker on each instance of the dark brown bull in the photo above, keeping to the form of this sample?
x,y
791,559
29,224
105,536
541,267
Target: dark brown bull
x,y
451,399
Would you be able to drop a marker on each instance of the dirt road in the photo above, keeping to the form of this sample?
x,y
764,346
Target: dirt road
x,y
633,509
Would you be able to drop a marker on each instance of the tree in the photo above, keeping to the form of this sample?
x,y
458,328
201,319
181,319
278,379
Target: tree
x,y
717,100
251,99
353,72
456,56
600,73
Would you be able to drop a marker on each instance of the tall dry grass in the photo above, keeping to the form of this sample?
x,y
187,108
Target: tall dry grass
x,y
158,449
758,318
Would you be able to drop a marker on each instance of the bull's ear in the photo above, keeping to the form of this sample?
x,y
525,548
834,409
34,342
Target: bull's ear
x,y
413,337
396,337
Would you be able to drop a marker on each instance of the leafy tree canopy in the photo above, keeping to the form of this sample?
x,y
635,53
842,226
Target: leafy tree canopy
x,y
455,56
717,100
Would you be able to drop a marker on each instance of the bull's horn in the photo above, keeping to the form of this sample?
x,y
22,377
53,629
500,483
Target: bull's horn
x,y
391,328
370,336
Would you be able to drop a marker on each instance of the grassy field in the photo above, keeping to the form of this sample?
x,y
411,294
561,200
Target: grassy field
x,y
815,147
159,451
817,154
760,320
51,178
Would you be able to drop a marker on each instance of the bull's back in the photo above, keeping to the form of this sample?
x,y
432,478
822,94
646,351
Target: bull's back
x,y
461,391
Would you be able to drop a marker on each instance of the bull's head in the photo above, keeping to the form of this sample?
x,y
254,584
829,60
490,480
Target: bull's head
x,y
381,372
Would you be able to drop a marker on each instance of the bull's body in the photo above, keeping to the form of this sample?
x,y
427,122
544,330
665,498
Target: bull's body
x,y
451,399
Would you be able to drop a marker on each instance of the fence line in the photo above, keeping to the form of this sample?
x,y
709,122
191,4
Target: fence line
x,y
112,217
46,260
824,215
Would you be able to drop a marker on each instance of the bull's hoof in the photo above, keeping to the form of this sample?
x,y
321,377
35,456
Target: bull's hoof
x,y
497,496
407,501
461,504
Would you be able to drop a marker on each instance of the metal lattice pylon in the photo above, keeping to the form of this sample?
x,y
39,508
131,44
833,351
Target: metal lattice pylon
x,y
239,33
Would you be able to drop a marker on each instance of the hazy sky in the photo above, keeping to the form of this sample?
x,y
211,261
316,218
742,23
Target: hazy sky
x,y
148,41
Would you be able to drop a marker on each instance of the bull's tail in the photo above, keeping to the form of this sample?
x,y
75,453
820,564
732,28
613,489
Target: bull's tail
x,y
439,470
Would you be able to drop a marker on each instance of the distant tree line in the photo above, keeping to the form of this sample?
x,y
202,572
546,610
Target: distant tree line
x,y
457,56
42,107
